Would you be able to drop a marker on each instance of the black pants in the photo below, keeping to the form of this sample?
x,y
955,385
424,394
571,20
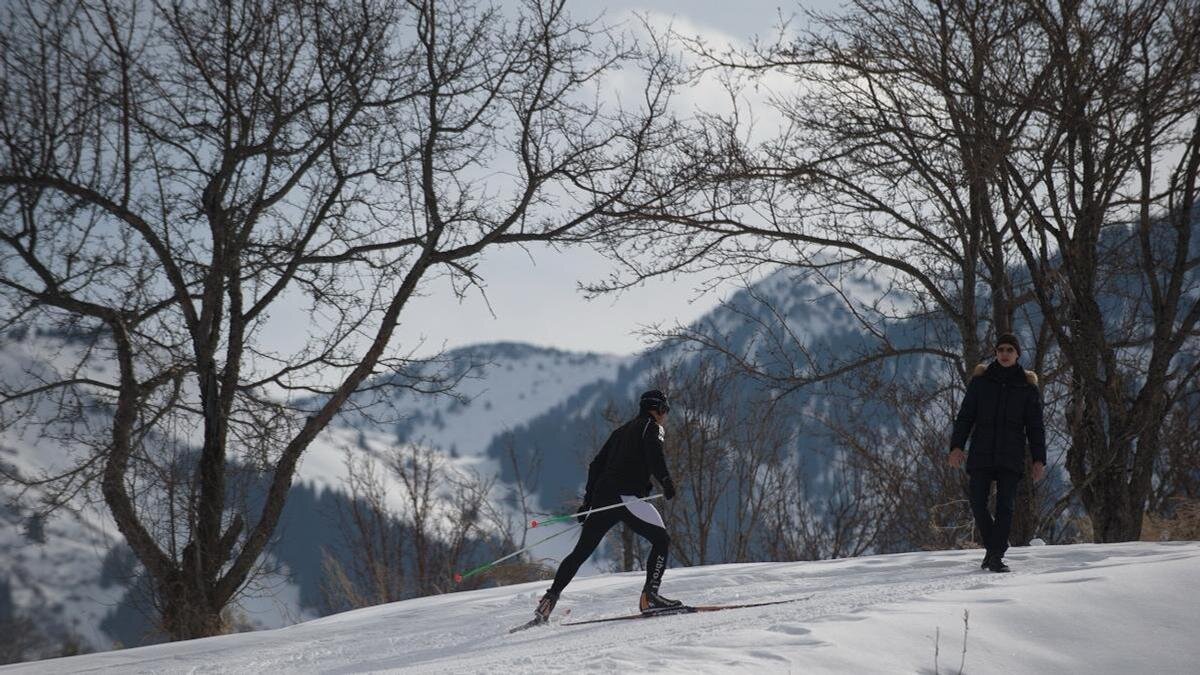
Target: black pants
x,y
596,526
994,530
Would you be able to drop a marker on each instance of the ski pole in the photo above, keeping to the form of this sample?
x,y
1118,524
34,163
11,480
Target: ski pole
x,y
486,567
570,516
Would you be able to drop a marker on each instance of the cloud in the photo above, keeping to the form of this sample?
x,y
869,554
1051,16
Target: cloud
x,y
712,91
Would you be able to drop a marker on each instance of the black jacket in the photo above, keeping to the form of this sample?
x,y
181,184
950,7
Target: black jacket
x,y
1001,412
630,455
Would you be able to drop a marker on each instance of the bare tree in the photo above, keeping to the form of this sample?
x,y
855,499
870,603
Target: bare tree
x,y
375,539
699,454
172,173
880,189
885,165
976,159
442,507
724,442
1108,175
1178,472
510,514
412,520
762,454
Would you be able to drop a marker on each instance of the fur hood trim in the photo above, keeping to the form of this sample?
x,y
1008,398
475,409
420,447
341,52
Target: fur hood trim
x,y
1030,376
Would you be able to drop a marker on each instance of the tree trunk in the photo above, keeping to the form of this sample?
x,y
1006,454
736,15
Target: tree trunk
x,y
627,561
1024,526
187,614
1115,517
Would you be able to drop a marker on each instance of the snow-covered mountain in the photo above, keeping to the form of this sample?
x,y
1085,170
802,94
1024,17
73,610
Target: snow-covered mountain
x,y
783,320
504,386
1117,608
52,570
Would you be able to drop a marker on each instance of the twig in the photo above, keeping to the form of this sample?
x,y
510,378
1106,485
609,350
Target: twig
x,y
937,637
966,629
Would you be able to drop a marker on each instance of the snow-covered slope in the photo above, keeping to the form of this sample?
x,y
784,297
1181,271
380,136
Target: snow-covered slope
x,y
1124,608
56,574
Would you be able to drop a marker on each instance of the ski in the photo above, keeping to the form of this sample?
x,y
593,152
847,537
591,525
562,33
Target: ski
x,y
532,623
536,621
686,609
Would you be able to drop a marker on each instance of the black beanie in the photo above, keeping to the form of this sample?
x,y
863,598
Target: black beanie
x,y
1009,339
653,400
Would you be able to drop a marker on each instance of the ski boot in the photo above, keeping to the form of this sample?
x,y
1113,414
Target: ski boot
x,y
544,607
652,603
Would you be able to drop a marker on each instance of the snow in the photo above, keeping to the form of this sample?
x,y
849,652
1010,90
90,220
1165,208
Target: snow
x,y
61,577
1116,608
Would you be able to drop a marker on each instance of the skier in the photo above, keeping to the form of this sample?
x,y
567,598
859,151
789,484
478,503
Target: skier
x,y
621,473
1002,410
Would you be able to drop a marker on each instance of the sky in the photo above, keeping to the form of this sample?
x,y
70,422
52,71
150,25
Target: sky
x,y
535,298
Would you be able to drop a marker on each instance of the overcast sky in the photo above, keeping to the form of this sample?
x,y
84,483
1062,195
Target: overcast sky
x,y
535,298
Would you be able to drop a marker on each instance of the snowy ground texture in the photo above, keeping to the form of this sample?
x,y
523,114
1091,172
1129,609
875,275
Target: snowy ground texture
x,y
1124,608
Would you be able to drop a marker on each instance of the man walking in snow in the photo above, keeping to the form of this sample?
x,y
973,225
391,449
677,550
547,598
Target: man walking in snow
x,y
1001,413
620,473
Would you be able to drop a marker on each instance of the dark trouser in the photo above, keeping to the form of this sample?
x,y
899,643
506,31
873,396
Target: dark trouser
x,y
594,529
994,531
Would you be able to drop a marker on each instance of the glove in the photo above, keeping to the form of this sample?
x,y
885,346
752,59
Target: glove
x,y
668,487
586,506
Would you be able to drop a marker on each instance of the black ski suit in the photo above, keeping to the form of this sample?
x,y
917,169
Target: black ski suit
x,y
1002,415
621,472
